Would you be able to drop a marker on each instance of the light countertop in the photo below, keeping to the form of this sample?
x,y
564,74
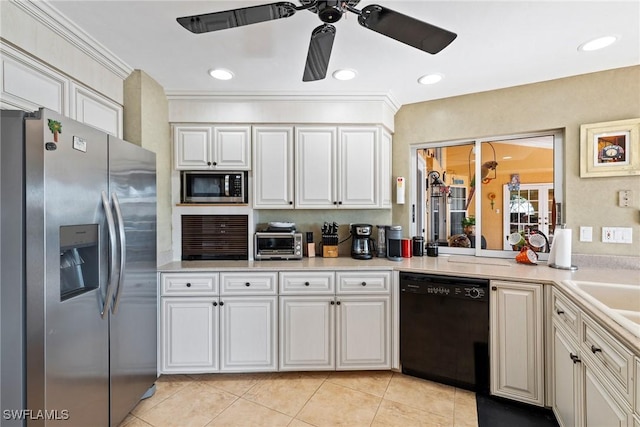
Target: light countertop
x,y
469,266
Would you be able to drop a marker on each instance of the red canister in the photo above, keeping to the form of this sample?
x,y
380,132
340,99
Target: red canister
x,y
406,248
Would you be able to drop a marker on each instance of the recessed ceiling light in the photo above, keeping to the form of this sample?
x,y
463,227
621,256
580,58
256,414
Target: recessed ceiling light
x,y
599,43
430,79
507,158
345,74
221,74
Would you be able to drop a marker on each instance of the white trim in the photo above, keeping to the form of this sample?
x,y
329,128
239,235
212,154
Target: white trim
x,y
386,99
48,15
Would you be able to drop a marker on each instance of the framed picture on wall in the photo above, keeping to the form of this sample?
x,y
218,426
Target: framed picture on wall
x,y
610,149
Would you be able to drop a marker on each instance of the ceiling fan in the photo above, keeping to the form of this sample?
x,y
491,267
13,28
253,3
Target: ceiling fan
x,y
385,21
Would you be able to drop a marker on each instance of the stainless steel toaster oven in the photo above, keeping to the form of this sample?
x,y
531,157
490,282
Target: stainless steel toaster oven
x,y
277,245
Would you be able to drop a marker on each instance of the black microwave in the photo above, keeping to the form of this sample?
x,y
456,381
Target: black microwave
x,y
213,187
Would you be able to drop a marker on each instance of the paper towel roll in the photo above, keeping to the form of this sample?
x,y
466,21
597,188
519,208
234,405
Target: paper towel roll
x,y
560,254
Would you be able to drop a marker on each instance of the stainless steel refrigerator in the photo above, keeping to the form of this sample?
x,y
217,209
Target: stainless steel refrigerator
x,y
78,295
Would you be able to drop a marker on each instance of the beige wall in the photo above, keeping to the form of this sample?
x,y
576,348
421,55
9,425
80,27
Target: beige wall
x,y
557,104
146,123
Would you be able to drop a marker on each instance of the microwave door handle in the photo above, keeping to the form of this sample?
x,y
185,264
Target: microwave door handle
x,y
226,185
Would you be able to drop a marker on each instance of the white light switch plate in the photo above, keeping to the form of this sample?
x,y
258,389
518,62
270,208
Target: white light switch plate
x,y
586,234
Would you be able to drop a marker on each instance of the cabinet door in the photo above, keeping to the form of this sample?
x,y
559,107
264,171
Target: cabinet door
x,y
273,167
189,335
307,333
517,341
385,170
363,333
248,334
358,167
91,108
566,379
315,169
601,408
192,147
232,147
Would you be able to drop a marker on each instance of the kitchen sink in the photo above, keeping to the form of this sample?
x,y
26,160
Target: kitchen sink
x,y
620,301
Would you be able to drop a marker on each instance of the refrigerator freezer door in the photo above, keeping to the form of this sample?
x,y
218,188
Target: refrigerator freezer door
x,y
67,339
134,310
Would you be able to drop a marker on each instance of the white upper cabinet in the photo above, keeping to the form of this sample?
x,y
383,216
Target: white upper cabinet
x,y
358,171
212,147
385,169
315,167
273,167
95,110
28,84
339,167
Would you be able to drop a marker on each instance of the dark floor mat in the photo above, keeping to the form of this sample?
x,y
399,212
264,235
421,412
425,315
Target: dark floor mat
x,y
496,412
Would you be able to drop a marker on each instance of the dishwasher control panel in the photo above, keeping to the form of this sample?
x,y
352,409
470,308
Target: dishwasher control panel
x,y
446,286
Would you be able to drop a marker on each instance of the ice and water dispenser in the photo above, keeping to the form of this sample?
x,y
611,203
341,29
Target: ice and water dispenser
x,y
79,260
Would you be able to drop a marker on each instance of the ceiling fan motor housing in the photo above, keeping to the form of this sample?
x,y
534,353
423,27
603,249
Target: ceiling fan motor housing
x,y
329,11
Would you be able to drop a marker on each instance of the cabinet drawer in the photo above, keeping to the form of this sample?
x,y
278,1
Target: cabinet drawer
x,y
311,282
566,313
189,284
248,283
611,358
363,282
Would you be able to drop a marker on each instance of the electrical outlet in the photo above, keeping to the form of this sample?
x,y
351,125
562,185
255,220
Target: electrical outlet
x,y
624,198
586,234
617,235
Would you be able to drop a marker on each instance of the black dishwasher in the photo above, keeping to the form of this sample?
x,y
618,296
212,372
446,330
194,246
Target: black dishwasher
x,y
444,329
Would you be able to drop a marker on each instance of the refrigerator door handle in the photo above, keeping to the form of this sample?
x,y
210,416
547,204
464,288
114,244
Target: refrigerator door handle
x,y
112,255
123,251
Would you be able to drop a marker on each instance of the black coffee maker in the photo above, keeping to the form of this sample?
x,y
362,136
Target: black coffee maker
x,y
362,245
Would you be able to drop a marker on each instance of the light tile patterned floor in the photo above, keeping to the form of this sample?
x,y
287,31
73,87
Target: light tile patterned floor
x,y
297,399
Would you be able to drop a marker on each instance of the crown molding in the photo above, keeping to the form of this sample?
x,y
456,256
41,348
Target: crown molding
x,y
49,16
385,98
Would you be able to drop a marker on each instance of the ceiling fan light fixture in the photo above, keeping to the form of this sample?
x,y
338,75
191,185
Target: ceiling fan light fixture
x,y
221,74
599,43
429,79
344,74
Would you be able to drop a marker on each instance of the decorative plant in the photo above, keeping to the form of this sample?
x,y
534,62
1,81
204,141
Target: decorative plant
x,y
55,127
468,221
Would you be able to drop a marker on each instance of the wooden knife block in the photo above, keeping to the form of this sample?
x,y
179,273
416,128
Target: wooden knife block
x,y
329,251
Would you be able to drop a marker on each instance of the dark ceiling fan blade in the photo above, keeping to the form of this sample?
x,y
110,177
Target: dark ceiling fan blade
x,y
319,53
237,17
405,29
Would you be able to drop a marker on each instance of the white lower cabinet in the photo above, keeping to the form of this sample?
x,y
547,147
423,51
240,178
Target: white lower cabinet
x,y
189,334
516,335
567,379
228,333
601,408
363,332
307,333
320,331
592,372
248,340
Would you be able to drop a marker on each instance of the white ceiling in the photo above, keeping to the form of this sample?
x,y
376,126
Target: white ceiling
x,y
500,44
